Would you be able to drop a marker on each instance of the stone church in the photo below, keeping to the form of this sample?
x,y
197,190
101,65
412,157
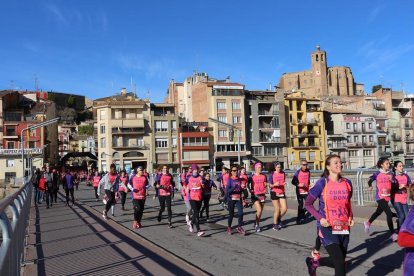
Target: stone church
x,y
321,80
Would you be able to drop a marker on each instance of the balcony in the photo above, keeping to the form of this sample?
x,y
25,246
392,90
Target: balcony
x,y
13,117
368,144
119,146
398,150
409,139
334,146
306,145
308,122
305,134
355,145
384,154
396,138
269,139
408,126
271,113
117,130
409,151
269,126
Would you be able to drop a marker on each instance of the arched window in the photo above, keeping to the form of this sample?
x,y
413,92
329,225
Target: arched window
x,y
103,155
322,57
317,58
115,155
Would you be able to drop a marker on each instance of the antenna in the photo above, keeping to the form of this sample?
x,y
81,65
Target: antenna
x,y
36,82
135,89
132,86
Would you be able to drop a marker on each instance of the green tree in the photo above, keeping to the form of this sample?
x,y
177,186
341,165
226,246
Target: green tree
x,y
70,101
376,87
85,130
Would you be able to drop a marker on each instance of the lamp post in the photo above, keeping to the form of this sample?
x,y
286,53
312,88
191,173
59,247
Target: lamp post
x,y
42,124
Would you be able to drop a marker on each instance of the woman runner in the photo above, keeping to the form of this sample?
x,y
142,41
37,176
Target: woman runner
x,y
110,184
95,183
123,189
277,195
165,185
385,181
406,239
208,184
195,189
138,185
400,196
234,194
257,186
334,216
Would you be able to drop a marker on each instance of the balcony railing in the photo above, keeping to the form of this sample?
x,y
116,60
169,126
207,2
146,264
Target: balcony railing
x,y
130,145
336,145
398,150
270,139
195,144
396,138
408,126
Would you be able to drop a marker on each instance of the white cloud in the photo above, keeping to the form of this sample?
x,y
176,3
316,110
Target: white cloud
x,y
57,14
374,13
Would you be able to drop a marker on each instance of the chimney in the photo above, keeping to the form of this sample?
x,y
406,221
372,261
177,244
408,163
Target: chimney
x,y
123,91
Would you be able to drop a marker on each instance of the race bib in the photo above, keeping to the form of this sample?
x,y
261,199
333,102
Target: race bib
x,y
385,192
340,227
235,197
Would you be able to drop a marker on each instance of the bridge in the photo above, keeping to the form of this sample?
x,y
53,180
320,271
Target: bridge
x,y
75,240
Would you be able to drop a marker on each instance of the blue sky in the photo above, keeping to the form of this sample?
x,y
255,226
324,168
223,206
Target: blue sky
x,y
94,47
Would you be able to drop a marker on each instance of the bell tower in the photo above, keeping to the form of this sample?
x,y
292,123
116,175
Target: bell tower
x,y
319,72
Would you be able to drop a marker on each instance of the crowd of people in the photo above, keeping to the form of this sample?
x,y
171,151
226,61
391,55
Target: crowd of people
x,y
332,191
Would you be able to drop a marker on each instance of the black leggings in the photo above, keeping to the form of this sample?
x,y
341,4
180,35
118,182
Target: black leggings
x,y
196,206
111,200
206,206
337,254
71,191
54,194
231,205
138,209
318,244
96,192
383,207
165,200
123,198
301,209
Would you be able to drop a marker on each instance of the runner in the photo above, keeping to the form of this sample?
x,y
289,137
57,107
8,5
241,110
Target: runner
x,y
68,185
400,197
244,179
95,183
208,184
165,185
123,189
234,194
223,178
257,186
277,195
406,239
334,217
186,197
49,187
301,180
385,181
194,188
138,185
110,184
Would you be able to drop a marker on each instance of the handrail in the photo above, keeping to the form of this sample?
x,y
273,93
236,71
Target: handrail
x,y
14,229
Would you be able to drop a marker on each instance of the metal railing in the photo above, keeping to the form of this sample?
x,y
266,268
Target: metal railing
x,y
14,217
362,194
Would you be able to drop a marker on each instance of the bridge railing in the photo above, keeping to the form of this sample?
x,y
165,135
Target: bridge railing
x,y
362,195
14,217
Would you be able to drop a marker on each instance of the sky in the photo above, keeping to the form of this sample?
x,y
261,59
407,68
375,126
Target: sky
x,y
96,47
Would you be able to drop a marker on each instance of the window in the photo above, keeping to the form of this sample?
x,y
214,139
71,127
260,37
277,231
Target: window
x,y
235,105
370,125
8,176
102,115
175,157
161,143
161,126
195,155
364,139
348,126
174,142
312,156
32,144
270,151
367,152
371,138
103,129
353,153
10,145
237,120
173,125
222,119
257,151
222,133
221,105
355,127
103,166
10,131
348,139
118,114
162,157
140,141
355,139
10,163
103,142
302,155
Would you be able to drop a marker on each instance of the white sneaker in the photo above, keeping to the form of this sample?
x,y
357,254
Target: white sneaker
x,y
257,228
187,219
394,237
200,233
190,228
366,227
104,215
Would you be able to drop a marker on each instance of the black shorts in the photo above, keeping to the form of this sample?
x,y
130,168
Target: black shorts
x,y
274,196
256,198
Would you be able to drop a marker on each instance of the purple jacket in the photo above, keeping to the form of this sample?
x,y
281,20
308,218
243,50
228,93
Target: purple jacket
x,y
408,227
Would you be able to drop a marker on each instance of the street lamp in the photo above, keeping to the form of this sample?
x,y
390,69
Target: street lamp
x,y
42,124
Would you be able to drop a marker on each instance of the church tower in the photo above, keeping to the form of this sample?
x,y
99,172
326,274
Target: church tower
x,y
319,72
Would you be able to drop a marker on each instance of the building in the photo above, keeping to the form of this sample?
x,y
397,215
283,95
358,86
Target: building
x,y
164,143
195,145
266,125
306,128
354,137
321,80
124,132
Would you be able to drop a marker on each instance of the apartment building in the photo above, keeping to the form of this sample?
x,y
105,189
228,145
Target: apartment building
x,y
306,128
266,125
124,132
164,143
194,144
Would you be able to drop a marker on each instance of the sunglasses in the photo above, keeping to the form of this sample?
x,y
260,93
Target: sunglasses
x,y
304,164
234,170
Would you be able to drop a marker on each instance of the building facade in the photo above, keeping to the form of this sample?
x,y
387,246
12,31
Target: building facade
x,y
195,145
164,144
124,132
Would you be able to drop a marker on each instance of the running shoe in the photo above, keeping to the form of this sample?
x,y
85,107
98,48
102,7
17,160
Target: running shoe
x,y
367,225
135,225
170,225
187,219
312,266
257,228
200,233
315,255
190,228
229,231
208,220
241,231
104,215
275,227
279,226
159,218
394,237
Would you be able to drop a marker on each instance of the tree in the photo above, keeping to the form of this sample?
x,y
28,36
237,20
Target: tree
x,y
70,101
85,130
376,87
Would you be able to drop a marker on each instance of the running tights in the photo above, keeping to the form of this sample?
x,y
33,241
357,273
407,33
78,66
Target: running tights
x,y
196,206
138,209
337,254
383,207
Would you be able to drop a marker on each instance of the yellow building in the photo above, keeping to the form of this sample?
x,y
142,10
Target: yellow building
x,y
306,131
